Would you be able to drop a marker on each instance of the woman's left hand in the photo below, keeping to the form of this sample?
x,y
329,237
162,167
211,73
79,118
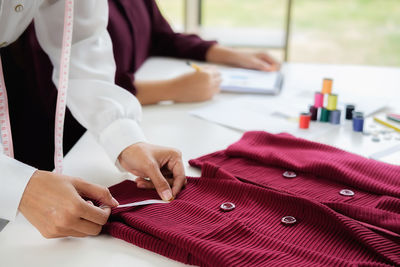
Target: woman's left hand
x,y
248,60
258,61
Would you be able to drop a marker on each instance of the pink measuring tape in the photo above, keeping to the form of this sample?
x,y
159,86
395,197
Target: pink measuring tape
x,y
5,118
61,97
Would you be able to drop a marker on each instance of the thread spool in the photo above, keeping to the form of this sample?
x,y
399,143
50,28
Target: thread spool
x,y
318,100
324,115
327,86
357,114
314,113
332,102
335,116
349,112
304,122
358,121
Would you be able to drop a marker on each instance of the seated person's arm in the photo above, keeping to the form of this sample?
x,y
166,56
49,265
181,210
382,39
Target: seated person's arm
x,y
192,87
202,85
249,60
198,86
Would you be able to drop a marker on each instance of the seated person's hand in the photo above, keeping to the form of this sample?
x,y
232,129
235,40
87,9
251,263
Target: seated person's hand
x,y
249,60
53,204
197,86
258,61
162,165
192,87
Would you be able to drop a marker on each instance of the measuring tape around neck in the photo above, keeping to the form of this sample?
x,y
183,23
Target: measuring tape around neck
x,y
5,126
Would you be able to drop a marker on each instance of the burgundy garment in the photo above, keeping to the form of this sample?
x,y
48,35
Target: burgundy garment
x,y
138,31
331,229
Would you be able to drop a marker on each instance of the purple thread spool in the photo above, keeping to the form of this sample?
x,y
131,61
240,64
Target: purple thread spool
x,y
314,113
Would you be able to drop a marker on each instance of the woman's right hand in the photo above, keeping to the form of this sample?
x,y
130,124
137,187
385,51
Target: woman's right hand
x,y
53,203
198,86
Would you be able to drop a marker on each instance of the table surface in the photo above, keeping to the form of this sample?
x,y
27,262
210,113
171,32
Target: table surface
x,y
171,125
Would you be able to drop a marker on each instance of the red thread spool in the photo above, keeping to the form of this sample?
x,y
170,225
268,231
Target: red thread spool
x,y
304,122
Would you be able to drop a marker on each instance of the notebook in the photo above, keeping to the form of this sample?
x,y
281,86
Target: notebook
x,y
251,81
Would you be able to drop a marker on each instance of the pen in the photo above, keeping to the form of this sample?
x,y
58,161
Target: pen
x,y
387,124
194,66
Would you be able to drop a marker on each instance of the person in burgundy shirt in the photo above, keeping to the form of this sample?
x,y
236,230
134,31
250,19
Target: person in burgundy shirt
x,y
138,31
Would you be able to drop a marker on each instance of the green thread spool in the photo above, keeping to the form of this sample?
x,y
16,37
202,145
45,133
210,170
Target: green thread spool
x,y
325,114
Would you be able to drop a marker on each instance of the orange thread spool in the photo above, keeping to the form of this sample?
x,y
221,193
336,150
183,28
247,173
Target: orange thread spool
x,y
304,122
327,86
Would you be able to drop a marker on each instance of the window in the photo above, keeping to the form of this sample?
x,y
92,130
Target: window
x,y
346,32
255,23
173,11
335,31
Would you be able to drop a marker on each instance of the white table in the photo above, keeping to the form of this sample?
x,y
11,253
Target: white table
x,y
171,125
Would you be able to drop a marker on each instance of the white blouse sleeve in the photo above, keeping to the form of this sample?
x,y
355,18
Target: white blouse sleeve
x,y
109,112
14,178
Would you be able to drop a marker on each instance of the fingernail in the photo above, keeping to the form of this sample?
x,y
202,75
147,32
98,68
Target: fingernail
x,y
166,195
114,202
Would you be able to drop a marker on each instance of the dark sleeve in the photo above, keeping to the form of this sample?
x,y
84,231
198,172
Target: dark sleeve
x,y
165,42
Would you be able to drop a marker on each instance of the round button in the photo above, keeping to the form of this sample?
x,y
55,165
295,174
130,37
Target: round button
x,y
19,8
288,220
227,206
346,192
289,174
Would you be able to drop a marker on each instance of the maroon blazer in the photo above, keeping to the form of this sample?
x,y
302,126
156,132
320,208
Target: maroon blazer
x,y
297,203
138,31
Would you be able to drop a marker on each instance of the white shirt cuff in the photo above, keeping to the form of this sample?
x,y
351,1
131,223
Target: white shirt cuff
x,y
13,180
119,135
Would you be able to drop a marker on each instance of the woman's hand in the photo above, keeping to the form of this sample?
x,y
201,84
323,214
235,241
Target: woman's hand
x,y
162,165
198,86
249,60
53,203
192,87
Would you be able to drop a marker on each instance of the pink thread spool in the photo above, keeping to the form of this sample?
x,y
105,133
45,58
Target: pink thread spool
x,y
319,100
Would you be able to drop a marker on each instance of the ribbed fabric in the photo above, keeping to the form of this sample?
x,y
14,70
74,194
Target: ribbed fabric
x,y
331,229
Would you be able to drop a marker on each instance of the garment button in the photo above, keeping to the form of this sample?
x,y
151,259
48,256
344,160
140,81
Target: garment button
x,y
3,44
346,192
19,8
289,174
227,206
288,220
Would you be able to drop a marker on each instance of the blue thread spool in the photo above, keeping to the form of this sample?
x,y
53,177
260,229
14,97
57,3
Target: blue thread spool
x,y
335,116
358,121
